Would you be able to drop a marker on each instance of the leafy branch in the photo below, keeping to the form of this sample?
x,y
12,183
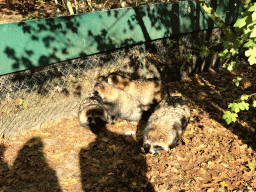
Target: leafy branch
x,y
245,40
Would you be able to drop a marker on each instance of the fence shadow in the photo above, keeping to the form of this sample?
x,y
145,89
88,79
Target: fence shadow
x,y
114,163
30,170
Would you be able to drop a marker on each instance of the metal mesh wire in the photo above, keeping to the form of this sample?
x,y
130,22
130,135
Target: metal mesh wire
x,y
29,98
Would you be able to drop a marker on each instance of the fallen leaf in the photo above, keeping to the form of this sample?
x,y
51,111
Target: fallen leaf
x,y
210,190
202,170
113,147
200,147
251,165
118,124
71,182
210,163
57,156
223,184
45,134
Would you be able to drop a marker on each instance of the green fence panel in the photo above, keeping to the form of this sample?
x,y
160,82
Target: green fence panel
x,y
25,45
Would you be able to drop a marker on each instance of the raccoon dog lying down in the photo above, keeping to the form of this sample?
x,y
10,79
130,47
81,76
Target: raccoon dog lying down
x,y
166,125
118,103
92,115
146,91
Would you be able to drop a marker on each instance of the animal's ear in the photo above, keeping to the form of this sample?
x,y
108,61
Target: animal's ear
x,y
114,79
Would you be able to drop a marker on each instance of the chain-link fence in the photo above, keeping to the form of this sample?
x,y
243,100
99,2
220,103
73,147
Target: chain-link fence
x,y
29,98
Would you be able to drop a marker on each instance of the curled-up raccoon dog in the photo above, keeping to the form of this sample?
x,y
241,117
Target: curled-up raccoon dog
x,y
92,115
148,92
118,103
166,125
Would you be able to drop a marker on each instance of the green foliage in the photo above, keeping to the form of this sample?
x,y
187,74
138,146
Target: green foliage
x,y
188,56
171,43
251,53
224,54
231,66
244,97
254,104
236,107
237,80
204,51
229,117
247,26
246,40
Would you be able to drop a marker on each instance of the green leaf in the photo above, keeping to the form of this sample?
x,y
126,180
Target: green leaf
x,y
250,43
204,51
243,105
234,107
254,103
245,35
171,43
240,22
188,56
244,97
250,26
253,34
252,8
237,80
229,117
224,54
250,52
231,66
254,16
252,60
234,51
251,165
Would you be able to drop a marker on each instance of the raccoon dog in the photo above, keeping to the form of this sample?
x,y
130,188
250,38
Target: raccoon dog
x,y
146,91
166,125
118,103
92,115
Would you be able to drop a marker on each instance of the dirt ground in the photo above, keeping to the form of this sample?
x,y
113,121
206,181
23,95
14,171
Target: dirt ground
x,y
213,156
63,156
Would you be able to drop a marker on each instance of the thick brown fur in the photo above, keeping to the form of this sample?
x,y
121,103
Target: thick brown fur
x,y
92,115
146,91
118,103
166,125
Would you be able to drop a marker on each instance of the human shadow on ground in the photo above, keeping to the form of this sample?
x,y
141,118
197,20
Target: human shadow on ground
x,y
30,171
3,166
114,163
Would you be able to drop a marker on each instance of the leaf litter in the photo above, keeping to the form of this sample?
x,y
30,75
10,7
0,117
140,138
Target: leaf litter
x,y
213,156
